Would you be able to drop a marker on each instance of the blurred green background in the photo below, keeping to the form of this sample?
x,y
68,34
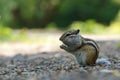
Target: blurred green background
x,y
90,16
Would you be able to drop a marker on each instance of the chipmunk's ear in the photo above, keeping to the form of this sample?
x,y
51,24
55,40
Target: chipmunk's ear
x,y
77,31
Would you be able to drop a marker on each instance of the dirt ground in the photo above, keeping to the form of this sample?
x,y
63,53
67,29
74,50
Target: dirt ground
x,y
19,61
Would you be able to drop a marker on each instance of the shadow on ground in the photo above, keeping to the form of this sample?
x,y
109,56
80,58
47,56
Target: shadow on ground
x,y
59,65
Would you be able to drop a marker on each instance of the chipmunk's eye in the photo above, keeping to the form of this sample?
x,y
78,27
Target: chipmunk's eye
x,y
68,34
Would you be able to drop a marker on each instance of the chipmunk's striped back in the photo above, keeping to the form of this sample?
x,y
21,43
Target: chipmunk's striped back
x,y
91,42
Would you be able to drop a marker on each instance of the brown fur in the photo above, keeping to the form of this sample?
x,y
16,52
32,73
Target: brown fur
x,y
91,54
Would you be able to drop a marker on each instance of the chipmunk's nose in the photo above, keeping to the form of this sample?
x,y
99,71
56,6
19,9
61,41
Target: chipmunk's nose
x,y
60,38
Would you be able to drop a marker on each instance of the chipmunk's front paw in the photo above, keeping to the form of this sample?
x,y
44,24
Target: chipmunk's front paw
x,y
65,47
62,46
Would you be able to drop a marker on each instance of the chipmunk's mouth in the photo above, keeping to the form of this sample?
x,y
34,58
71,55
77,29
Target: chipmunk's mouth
x,y
63,45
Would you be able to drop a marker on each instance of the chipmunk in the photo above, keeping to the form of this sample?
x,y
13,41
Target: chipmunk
x,y
85,50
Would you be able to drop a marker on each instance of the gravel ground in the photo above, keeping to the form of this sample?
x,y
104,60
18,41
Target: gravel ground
x,y
60,65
